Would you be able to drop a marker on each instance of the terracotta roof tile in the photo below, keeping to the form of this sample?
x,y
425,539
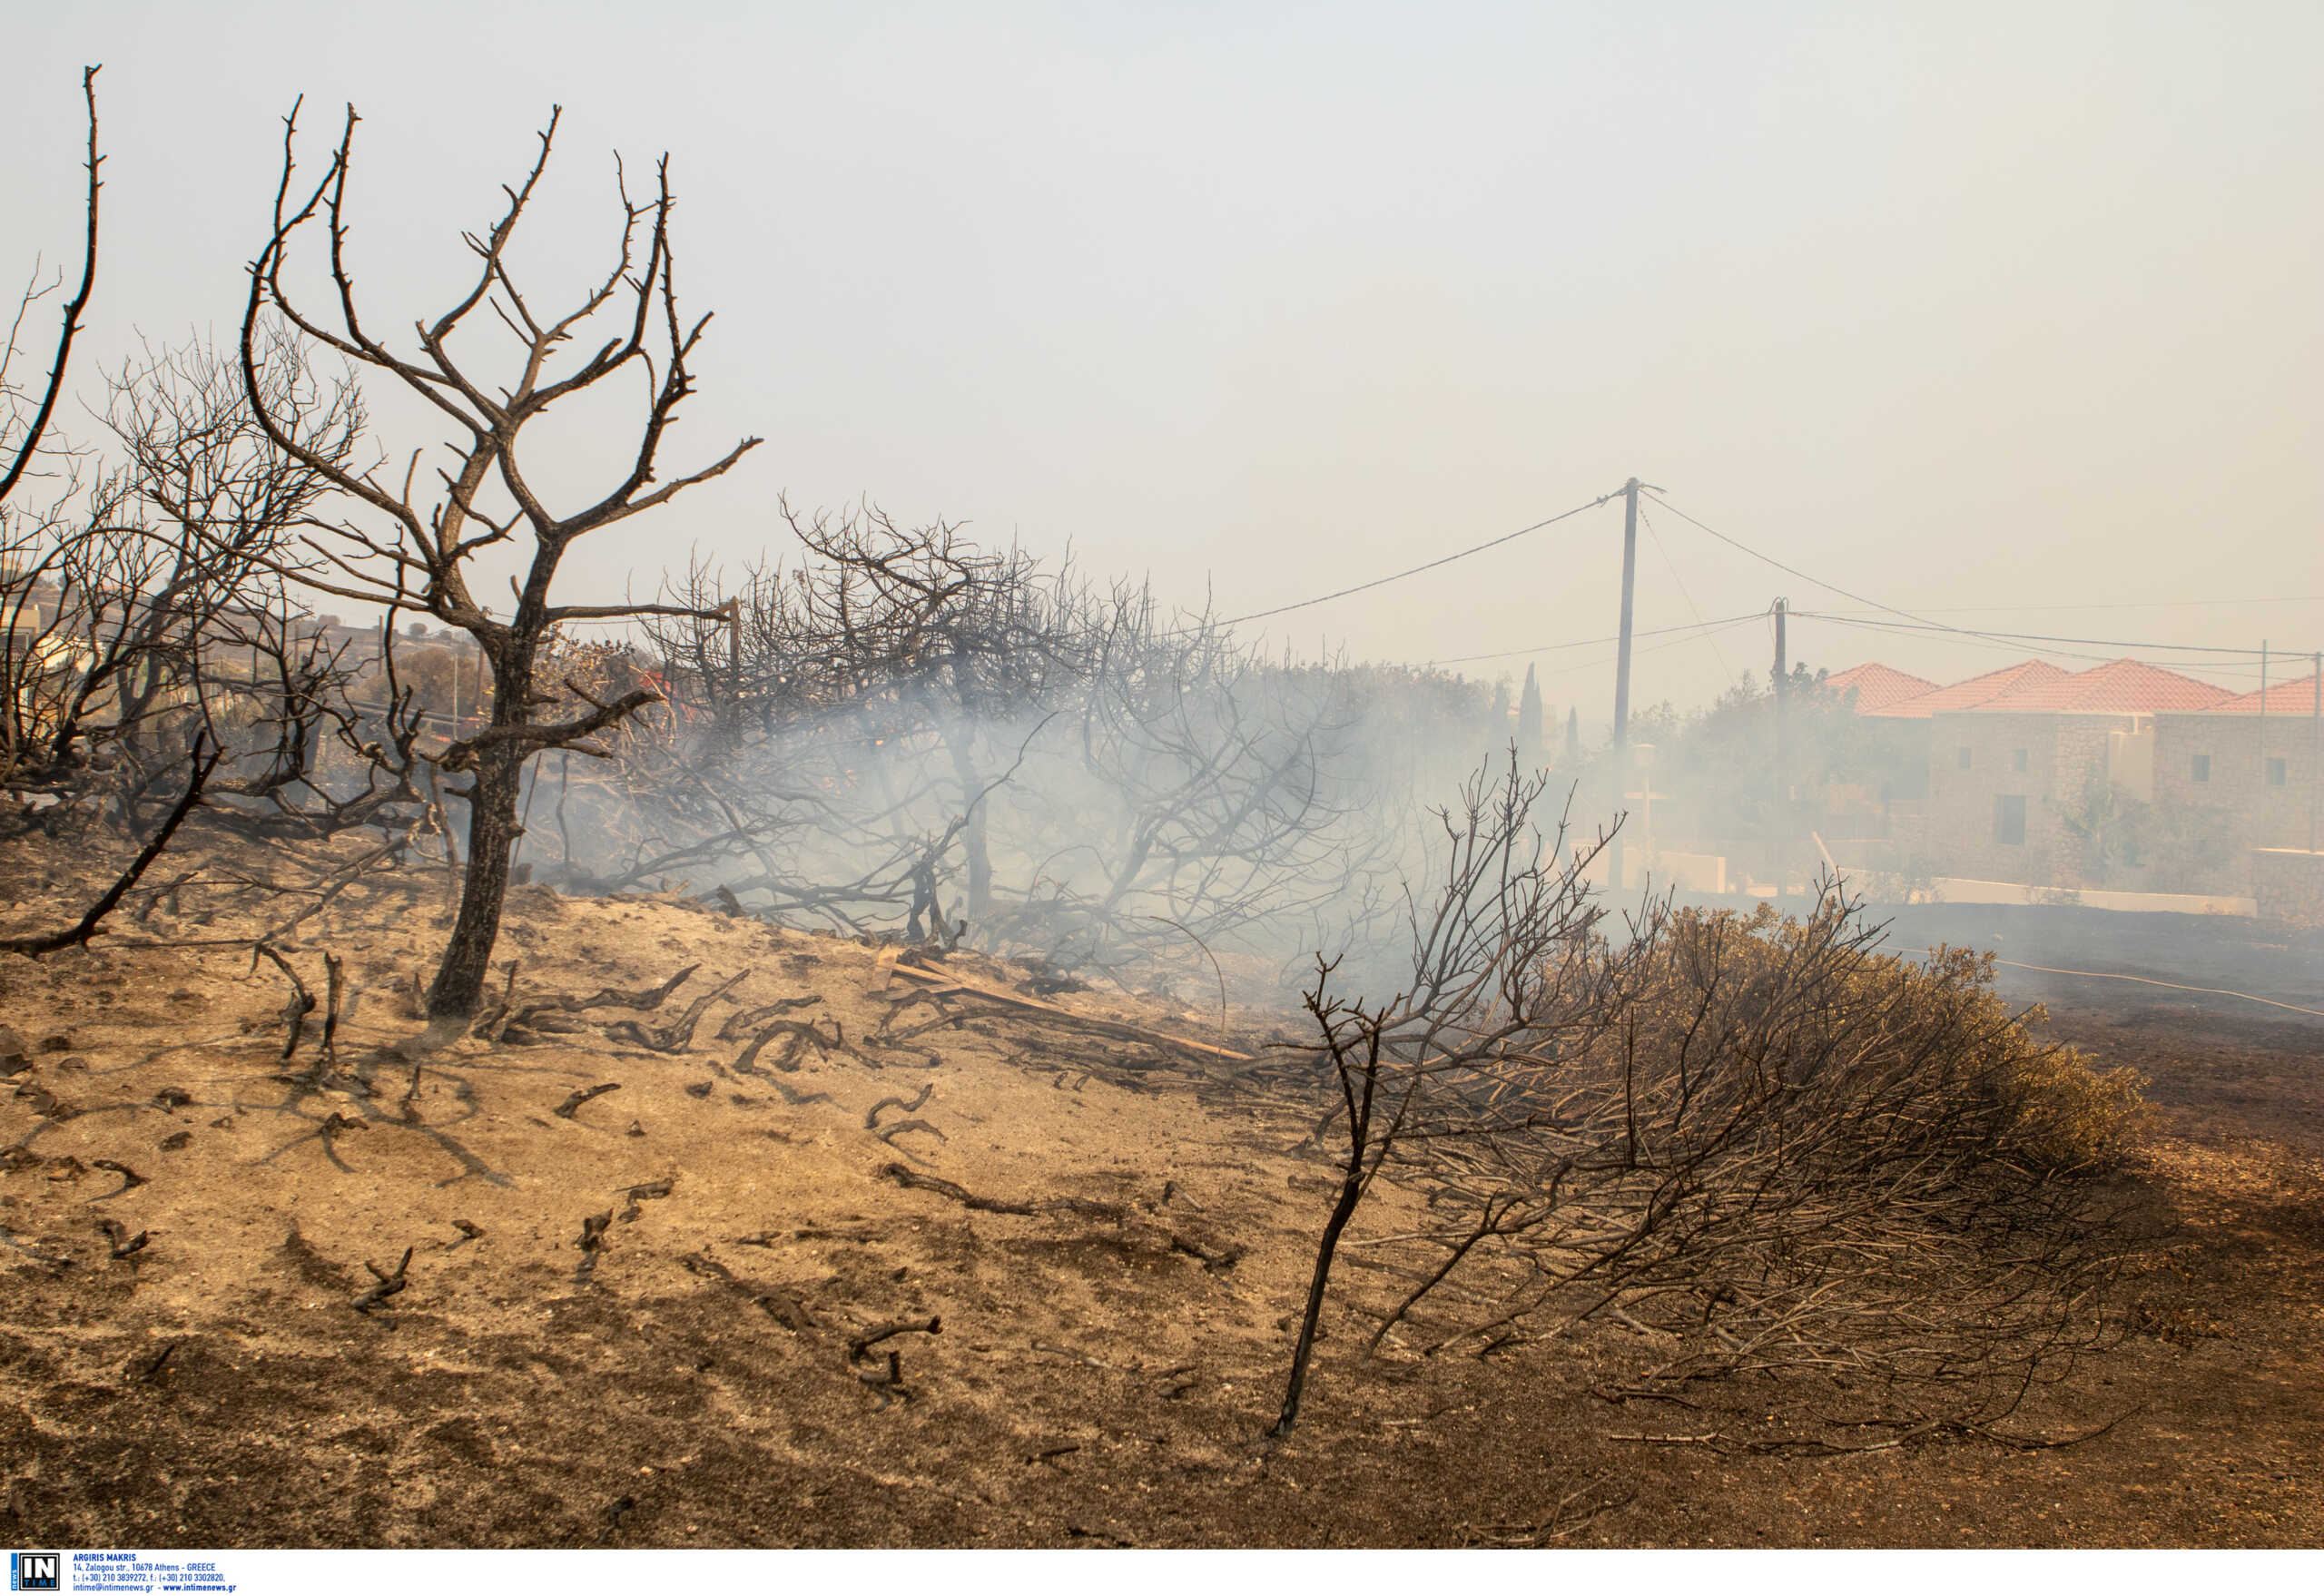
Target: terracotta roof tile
x,y
1975,692
1878,685
2295,698
2121,686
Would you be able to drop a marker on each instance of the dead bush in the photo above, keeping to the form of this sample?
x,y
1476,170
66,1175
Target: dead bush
x,y
1767,1142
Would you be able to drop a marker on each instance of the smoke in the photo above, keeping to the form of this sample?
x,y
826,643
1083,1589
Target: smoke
x,y
902,733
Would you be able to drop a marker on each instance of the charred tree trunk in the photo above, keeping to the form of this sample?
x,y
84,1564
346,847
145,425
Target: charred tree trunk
x,y
1359,1080
974,843
459,988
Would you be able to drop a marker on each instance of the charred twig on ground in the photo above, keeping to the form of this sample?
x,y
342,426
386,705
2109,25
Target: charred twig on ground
x,y
592,1243
857,1344
129,1177
383,1285
300,1004
1216,1259
872,1117
333,1127
742,1022
124,1245
904,1176
887,1379
644,999
1212,1257
651,1191
888,1133
676,1037
572,1105
803,1035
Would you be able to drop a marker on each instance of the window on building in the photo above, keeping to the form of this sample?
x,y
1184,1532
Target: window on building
x,y
1964,756
2009,820
2275,772
2017,759
2202,767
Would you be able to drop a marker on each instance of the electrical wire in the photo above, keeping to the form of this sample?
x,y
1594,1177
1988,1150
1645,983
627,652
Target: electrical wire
x,y
1971,609
1730,622
1283,609
1921,623
2036,636
1778,565
1681,583
1606,659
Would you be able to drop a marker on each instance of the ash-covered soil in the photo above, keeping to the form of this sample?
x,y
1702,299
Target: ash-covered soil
x,y
657,1318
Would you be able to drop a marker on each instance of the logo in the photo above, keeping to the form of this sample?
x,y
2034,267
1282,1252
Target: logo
x,y
35,1570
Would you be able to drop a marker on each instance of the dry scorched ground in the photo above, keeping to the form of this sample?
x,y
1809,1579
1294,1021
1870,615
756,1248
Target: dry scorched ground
x,y
1102,1367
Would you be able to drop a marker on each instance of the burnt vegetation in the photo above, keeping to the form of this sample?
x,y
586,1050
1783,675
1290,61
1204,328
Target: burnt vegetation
x,y
1770,1147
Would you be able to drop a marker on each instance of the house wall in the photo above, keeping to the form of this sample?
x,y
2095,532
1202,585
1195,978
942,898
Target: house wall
x,y
2062,753
2237,800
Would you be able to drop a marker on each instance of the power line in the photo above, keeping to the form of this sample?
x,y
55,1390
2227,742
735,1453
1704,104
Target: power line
x,y
1789,570
1606,659
1383,581
2032,636
1972,610
1921,623
1680,581
1721,626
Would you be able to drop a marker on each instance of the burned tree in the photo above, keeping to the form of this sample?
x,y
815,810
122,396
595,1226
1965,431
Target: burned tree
x,y
401,550
30,541
1217,791
18,453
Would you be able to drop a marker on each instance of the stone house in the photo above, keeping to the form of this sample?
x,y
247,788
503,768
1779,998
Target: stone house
x,y
1877,686
2020,780
1905,809
2239,774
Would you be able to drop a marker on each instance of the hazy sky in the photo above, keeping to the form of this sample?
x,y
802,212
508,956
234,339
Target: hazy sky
x,y
1958,305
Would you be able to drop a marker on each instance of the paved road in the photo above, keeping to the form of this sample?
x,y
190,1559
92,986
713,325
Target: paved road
x,y
2223,952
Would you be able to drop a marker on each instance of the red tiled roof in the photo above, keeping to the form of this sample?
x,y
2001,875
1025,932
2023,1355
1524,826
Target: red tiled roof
x,y
2121,686
1975,692
1878,685
2283,698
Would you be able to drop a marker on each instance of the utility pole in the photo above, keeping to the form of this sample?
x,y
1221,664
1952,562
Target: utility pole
x,y
1622,674
1629,590
1779,812
731,712
2315,743
1623,662
2262,738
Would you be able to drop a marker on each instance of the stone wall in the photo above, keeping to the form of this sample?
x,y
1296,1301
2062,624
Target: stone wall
x,y
2288,884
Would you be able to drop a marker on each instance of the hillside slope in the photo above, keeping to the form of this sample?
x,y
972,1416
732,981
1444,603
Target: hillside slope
x,y
664,1315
